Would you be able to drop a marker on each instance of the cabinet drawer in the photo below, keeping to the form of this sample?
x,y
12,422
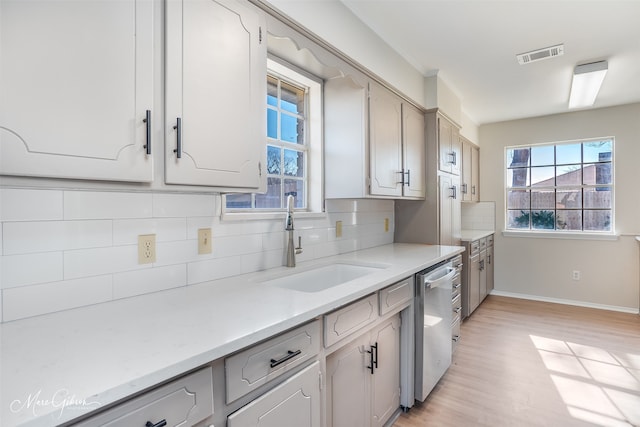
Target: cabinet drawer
x,y
455,332
185,401
475,247
456,305
483,243
490,240
344,321
255,366
395,296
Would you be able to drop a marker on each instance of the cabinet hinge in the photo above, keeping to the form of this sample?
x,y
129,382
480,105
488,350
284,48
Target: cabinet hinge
x,y
260,35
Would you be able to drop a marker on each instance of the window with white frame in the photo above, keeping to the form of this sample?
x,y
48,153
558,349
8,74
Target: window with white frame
x,y
565,187
293,144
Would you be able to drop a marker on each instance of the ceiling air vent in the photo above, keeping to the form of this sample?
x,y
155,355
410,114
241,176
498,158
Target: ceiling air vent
x,y
540,54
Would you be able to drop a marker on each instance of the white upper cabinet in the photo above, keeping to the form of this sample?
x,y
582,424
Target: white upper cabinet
x,y
215,94
374,142
76,81
449,146
385,142
414,146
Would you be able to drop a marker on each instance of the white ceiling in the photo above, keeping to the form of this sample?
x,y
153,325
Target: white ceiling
x,y
472,45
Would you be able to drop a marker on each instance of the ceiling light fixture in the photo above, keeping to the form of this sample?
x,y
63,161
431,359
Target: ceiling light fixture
x,y
587,79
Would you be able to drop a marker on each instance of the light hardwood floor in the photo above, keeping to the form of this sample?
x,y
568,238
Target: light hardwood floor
x,y
528,363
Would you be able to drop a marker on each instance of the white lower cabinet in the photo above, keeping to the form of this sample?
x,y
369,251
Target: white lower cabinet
x,y
294,403
363,378
183,402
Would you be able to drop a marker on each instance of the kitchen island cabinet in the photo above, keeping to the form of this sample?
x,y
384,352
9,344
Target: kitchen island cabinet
x,y
76,80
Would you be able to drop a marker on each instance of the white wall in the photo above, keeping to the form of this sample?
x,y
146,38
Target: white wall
x,y
542,267
332,21
64,248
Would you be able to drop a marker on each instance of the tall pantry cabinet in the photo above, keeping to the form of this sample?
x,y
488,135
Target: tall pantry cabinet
x,y
436,220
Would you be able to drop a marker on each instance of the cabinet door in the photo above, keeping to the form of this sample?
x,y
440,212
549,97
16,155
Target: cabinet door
x,y
474,283
475,174
216,91
490,269
414,146
348,398
450,210
466,171
385,381
385,142
456,150
446,195
76,80
445,155
295,403
483,275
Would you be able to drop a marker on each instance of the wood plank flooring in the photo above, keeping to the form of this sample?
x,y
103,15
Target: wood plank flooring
x,y
528,363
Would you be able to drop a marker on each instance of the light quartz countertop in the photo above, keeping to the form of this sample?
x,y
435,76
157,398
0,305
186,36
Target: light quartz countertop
x,y
57,367
471,235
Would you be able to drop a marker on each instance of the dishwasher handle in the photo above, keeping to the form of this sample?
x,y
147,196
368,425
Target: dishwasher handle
x,y
436,278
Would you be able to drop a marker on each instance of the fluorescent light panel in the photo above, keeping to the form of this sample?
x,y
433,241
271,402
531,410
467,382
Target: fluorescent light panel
x,y
587,79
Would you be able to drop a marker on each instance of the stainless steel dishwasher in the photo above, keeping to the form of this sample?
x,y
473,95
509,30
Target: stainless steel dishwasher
x,y
433,326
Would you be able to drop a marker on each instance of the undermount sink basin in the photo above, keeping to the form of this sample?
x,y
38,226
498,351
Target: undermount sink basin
x,y
323,277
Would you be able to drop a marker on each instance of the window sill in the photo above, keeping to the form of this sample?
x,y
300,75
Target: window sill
x,y
560,235
261,216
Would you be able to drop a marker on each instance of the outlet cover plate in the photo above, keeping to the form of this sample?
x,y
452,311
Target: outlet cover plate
x,y
146,248
204,241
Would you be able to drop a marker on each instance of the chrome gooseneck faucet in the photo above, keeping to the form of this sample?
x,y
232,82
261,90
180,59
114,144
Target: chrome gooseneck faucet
x,y
292,251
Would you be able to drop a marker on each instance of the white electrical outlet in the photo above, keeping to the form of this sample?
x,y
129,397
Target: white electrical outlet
x,y
575,275
146,248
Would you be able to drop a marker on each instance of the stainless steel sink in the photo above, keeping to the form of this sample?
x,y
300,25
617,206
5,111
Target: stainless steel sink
x,y
316,279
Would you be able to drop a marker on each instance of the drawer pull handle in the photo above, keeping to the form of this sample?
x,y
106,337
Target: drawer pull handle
x,y
290,355
457,285
161,423
456,338
457,309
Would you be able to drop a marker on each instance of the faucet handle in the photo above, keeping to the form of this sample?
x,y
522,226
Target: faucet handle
x,y
299,248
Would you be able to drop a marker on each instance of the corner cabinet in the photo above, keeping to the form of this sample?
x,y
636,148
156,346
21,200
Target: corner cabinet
x,y
374,142
76,83
477,273
215,94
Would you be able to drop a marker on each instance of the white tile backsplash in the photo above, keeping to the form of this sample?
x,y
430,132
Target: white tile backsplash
x,y
65,248
33,300
29,269
140,282
478,216
106,205
30,205
183,205
45,236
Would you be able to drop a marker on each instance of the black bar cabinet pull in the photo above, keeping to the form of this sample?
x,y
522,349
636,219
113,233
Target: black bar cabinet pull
x,y
161,423
147,120
408,177
371,362
375,359
290,354
178,128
